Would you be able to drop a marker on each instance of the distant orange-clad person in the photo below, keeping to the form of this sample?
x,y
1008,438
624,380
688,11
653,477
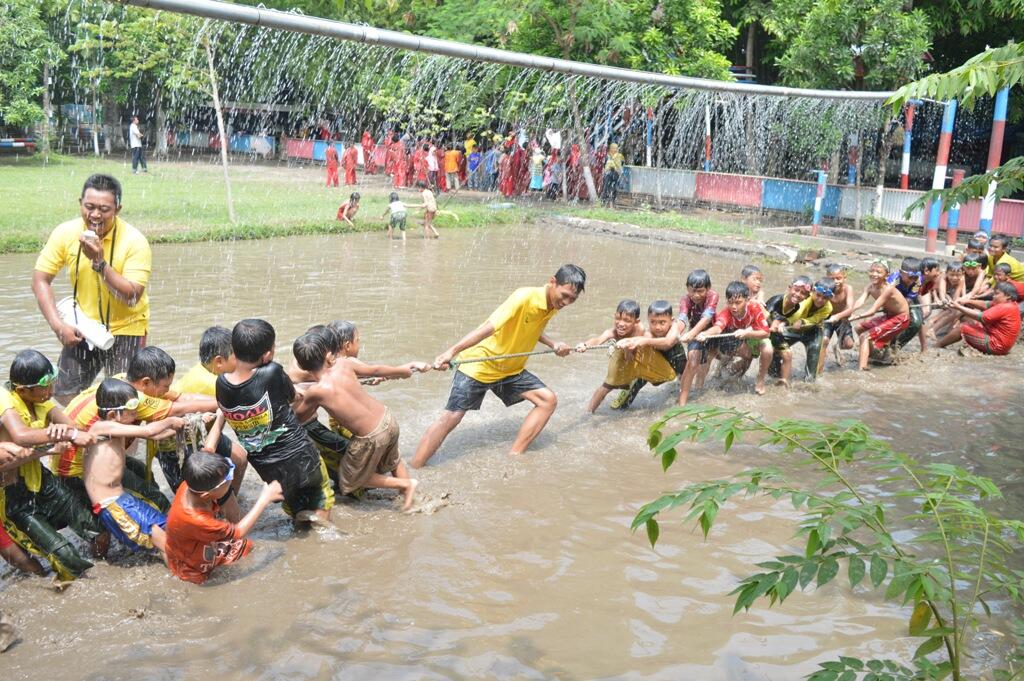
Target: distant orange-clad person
x,y
332,165
349,160
369,165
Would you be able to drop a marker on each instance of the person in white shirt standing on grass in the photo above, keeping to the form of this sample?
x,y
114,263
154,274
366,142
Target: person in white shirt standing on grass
x,y
135,142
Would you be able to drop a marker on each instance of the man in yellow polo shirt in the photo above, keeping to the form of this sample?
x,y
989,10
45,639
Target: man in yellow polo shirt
x,y
515,327
999,252
108,263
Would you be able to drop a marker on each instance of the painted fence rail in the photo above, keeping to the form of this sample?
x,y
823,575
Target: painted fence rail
x,y
797,196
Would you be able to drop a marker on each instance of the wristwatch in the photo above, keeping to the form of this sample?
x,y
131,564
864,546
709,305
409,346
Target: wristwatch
x,y
99,266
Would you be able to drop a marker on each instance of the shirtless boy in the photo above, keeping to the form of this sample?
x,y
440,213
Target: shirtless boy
x,y
135,523
372,459
838,324
884,329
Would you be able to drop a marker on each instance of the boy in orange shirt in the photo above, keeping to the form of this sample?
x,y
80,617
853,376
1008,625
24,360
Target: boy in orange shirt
x,y
197,540
452,160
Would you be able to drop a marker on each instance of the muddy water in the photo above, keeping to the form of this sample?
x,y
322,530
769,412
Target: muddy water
x,y
530,571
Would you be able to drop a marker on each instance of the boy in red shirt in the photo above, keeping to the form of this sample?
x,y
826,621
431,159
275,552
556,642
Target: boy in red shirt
x,y
992,329
197,540
746,320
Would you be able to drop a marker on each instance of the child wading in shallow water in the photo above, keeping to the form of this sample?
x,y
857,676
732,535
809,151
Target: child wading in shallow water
x,y
880,330
397,212
745,319
625,365
372,458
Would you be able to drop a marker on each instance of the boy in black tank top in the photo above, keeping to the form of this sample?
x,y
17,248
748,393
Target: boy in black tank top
x,y
256,400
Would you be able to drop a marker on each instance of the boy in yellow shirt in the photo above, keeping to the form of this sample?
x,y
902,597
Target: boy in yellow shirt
x,y
34,506
797,316
515,327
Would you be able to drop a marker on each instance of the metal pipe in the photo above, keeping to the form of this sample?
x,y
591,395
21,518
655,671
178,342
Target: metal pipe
x,y
298,23
707,138
995,154
939,178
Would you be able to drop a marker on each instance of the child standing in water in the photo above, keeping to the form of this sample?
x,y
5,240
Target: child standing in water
x,y
429,207
396,209
838,324
696,314
753,277
882,330
372,458
745,319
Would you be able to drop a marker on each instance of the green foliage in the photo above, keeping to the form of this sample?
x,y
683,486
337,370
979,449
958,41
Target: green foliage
x,y
25,45
853,44
884,515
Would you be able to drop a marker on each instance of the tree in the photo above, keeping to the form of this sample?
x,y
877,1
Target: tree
x,y
25,48
855,44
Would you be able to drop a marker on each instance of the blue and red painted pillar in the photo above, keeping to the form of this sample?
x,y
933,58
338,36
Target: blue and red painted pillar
x,y
953,217
995,153
939,178
819,198
707,138
650,133
908,126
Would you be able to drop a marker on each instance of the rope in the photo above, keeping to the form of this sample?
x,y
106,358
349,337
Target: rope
x,y
909,307
495,358
192,436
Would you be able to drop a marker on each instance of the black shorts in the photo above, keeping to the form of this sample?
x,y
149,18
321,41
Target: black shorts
x,y
303,479
468,393
676,357
841,330
79,365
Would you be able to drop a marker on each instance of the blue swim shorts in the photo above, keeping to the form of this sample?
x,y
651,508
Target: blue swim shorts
x,y
130,520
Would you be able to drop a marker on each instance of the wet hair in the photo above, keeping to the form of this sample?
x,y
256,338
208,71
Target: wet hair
x,y
980,258
659,308
150,362
114,393
1003,239
310,350
572,275
29,367
910,264
215,342
103,183
393,196
354,196
834,267
330,336
737,289
426,146
344,331
928,264
203,472
252,338
698,279
954,266
628,307
1004,267
1007,289
421,184
975,244
803,280
749,270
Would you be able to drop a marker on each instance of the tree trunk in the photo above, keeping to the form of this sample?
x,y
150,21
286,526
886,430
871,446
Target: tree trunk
x,y
751,34
220,130
883,159
95,121
114,134
44,134
579,134
161,125
833,166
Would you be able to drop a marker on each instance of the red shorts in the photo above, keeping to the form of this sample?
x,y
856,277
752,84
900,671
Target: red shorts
x,y
975,335
884,330
5,539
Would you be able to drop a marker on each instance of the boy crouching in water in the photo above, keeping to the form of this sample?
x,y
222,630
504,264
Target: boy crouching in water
x,y
197,540
745,319
135,522
372,458
623,365
662,336
881,330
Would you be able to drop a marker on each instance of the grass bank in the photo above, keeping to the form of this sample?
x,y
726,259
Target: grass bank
x,y
185,201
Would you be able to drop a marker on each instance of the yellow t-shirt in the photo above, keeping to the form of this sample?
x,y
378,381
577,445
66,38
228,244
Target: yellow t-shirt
x,y
132,258
470,145
36,416
84,412
810,316
198,381
1016,269
518,324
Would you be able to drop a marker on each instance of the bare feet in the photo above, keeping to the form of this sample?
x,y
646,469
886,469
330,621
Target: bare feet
x,y
100,545
7,631
760,389
318,518
410,490
782,382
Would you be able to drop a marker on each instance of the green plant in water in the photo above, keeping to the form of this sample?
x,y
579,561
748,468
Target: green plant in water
x,y
918,530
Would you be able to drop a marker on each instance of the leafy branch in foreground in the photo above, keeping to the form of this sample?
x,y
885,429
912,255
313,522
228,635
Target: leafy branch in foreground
x,y
916,529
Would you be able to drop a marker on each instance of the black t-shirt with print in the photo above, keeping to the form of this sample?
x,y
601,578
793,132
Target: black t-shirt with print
x,y
259,411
